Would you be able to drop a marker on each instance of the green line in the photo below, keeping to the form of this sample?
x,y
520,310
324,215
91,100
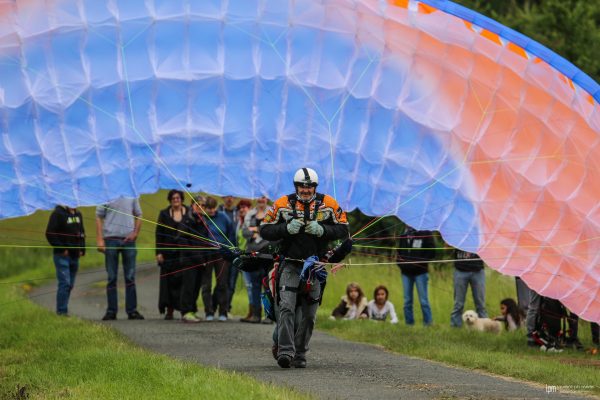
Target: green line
x,y
106,247
123,213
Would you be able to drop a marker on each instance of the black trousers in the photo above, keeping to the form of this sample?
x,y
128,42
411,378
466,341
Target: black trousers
x,y
574,327
221,292
191,281
169,287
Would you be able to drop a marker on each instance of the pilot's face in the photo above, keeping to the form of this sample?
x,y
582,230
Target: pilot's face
x,y
305,193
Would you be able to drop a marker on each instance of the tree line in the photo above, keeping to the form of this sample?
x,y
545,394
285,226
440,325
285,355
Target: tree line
x,y
571,28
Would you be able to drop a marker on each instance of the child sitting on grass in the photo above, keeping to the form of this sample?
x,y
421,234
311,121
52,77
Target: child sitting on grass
x,y
379,308
512,317
353,304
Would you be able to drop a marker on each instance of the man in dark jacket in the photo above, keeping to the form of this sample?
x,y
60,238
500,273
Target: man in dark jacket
x,y
221,231
417,248
66,234
468,270
193,261
305,221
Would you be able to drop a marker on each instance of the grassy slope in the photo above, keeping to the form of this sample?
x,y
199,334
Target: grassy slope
x,y
505,354
65,357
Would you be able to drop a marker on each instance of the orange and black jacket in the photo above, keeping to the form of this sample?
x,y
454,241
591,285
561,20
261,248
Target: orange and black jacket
x,y
303,245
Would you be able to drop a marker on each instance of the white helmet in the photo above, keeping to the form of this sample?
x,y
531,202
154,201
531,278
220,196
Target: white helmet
x,y
306,177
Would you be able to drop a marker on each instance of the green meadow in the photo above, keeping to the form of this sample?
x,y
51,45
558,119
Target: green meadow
x,y
56,357
43,356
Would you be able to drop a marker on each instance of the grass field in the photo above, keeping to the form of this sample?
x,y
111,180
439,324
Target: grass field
x,y
506,354
46,357
49,357
33,341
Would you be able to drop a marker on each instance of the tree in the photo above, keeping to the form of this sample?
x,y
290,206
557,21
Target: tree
x,y
570,28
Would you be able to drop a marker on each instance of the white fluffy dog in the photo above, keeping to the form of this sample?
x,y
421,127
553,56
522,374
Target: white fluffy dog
x,y
472,321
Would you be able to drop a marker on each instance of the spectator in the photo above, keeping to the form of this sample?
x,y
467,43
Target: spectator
x,y
531,317
417,248
522,295
118,224
380,307
572,339
222,232
242,209
468,270
229,208
353,304
66,235
169,238
511,315
194,258
255,243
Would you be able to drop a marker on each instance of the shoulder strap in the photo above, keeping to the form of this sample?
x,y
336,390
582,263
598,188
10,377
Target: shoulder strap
x,y
319,198
292,199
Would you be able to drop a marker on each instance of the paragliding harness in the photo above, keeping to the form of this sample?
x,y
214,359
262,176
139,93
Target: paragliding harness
x,y
551,324
270,296
254,261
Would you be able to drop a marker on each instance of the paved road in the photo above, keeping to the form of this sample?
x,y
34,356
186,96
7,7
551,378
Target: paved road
x,y
337,369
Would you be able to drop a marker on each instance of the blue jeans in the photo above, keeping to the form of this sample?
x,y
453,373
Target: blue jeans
x,y
233,275
421,281
461,282
66,270
253,287
114,247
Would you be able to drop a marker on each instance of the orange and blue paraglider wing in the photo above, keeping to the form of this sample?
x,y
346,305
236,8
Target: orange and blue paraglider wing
x,y
421,109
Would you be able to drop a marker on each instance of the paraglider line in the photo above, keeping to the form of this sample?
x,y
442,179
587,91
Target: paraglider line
x,y
131,215
436,180
134,129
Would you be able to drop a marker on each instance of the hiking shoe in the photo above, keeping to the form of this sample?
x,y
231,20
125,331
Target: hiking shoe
x,y
222,318
135,315
190,318
109,316
209,317
299,362
284,361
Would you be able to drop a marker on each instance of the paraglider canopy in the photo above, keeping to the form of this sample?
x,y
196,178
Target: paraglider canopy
x,y
420,109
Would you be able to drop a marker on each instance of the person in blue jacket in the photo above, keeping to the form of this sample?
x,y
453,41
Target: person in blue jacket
x,y
221,232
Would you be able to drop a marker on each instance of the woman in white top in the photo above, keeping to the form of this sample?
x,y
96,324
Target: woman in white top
x,y
512,316
379,308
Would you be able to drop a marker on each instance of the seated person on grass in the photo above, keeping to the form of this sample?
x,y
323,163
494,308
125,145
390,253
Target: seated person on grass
x,y
353,304
380,307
